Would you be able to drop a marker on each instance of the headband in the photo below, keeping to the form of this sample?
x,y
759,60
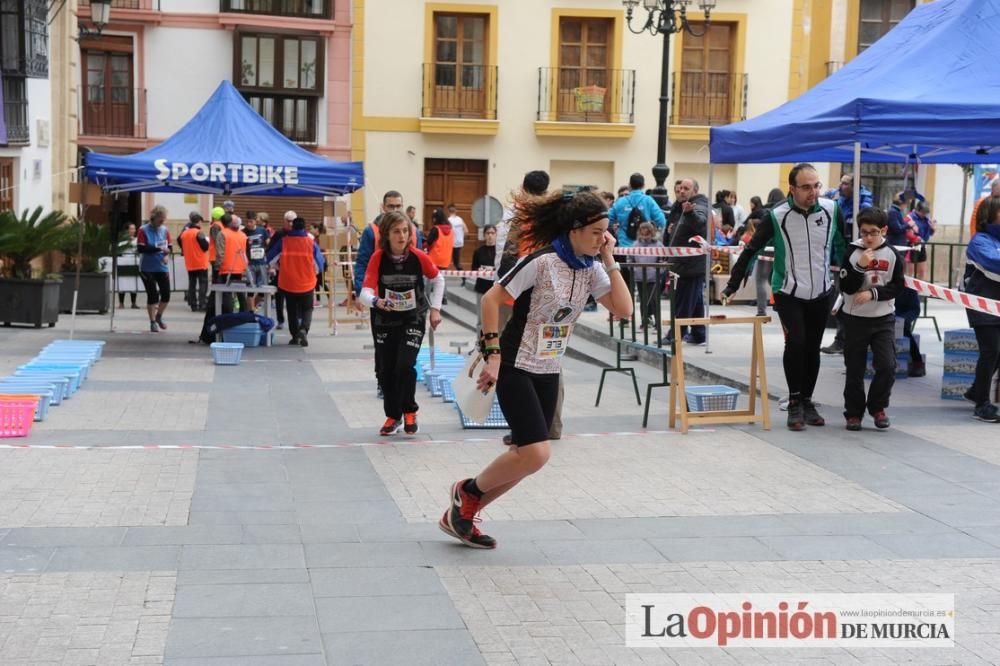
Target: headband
x,y
579,224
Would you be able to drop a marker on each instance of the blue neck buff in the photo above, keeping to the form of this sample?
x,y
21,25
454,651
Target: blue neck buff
x,y
565,251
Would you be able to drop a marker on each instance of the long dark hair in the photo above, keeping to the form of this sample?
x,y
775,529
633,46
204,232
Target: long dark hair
x,y
987,213
386,224
438,217
539,220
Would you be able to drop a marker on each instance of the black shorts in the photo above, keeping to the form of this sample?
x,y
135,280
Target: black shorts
x,y
919,256
157,287
528,402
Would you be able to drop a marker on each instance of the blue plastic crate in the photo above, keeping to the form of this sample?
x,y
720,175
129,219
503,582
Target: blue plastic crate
x,y
44,400
71,375
248,334
59,386
447,394
954,386
227,353
711,398
495,420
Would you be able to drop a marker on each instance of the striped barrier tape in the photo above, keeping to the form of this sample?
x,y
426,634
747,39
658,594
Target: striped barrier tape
x,y
968,301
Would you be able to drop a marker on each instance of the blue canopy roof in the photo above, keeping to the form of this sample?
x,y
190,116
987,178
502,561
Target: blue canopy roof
x,y
226,148
930,88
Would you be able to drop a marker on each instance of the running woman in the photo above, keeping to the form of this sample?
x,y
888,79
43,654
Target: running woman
x,y
550,288
394,289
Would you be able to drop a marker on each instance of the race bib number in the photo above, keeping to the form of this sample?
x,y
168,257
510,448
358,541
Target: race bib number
x,y
553,340
401,301
162,246
256,253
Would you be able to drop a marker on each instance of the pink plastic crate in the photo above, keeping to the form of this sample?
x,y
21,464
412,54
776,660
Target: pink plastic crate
x,y
16,417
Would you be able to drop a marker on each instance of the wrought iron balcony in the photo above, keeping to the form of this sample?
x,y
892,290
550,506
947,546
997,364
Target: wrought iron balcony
x,y
15,113
145,5
567,94
113,111
454,90
708,98
319,9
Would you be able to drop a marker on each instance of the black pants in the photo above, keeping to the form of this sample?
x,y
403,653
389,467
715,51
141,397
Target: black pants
x,y
227,299
988,338
397,347
121,298
528,402
197,292
157,287
649,300
860,333
803,323
300,312
690,296
279,301
456,257
377,354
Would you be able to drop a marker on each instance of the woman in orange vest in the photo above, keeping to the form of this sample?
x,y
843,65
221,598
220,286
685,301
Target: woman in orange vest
x,y
440,240
194,247
230,260
298,260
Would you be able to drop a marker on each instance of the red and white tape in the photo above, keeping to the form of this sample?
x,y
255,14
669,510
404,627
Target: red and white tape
x,y
486,275
968,301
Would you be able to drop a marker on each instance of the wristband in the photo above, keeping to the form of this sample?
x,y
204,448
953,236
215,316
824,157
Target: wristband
x,y
490,352
492,347
613,267
490,336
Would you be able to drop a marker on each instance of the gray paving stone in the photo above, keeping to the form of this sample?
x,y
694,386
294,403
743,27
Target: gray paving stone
x,y
430,648
389,613
243,518
447,551
64,536
19,560
275,660
936,546
115,558
244,490
243,600
713,549
242,503
355,513
364,555
326,492
183,535
375,581
262,556
826,548
241,576
903,522
263,534
600,552
684,526
330,533
243,636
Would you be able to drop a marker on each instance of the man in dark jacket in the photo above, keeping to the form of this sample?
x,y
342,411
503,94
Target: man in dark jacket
x,y
689,218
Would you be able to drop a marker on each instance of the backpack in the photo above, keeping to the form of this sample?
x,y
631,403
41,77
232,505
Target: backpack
x,y
635,218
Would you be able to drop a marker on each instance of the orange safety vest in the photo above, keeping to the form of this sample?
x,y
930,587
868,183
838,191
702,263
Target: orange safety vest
x,y
440,253
378,235
211,240
297,274
235,258
195,258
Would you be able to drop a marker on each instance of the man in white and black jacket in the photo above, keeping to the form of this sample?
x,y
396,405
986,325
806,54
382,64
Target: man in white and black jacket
x,y
870,279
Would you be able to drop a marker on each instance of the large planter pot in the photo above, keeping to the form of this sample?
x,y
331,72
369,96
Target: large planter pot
x,y
94,293
34,302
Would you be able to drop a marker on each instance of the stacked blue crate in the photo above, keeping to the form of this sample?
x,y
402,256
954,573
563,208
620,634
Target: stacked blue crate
x,y
902,356
961,352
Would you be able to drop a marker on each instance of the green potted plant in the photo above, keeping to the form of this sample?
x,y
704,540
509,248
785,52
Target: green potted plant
x,y
25,296
95,286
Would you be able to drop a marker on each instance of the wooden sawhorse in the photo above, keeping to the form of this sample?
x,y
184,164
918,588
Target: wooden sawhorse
x,y
678,397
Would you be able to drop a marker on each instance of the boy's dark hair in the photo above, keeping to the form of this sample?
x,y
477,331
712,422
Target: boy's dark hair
x,y
299,224
794,173
873,216
535,182
636,181
390,194
251,215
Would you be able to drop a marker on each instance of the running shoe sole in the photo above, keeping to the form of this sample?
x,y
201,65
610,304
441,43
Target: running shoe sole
x,y
399,427
445,526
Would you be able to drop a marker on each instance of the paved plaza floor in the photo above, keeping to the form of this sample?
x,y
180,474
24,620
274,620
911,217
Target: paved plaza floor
x,y
178,512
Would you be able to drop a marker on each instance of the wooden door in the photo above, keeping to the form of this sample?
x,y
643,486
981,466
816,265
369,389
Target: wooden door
x,y
460,72
109,101
6,183
460,182
584,57
706,79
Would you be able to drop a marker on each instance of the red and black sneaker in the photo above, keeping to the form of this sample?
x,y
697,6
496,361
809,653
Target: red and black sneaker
x,y
853,423
391,427
464,507
410,423
881,419
475,539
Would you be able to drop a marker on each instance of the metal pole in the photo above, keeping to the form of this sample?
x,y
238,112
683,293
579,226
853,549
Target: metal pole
x,y
710,230
660,170
961,217
79,257
857,187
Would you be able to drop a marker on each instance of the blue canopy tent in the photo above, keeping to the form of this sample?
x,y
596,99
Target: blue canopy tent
x,y
226,148
927,90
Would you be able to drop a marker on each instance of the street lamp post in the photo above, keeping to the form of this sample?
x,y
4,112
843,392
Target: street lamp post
x,y
100,16
665,17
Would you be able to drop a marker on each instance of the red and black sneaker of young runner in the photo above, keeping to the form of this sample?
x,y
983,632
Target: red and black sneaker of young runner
x,y
410,423
390,427
475,539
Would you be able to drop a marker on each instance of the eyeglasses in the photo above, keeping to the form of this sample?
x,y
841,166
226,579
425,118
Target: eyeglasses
x,y
872,233
807,186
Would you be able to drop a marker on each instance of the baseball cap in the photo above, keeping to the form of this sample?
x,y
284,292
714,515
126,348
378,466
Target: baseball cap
x,y
218,212
228,204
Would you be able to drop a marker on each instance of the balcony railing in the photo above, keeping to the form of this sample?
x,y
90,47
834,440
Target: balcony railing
x,y
118,112
589,96
454,90
320,9
707,98
146,5
15,112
